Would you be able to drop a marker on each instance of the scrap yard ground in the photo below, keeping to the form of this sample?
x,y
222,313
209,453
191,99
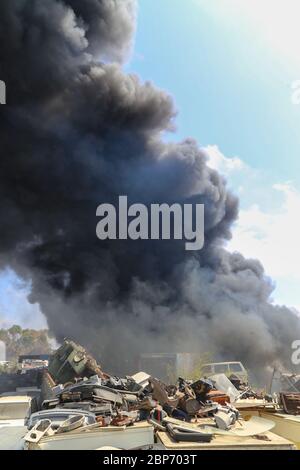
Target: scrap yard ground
x,y
71,403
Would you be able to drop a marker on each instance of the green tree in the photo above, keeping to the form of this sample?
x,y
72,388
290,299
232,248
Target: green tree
x,y
19,342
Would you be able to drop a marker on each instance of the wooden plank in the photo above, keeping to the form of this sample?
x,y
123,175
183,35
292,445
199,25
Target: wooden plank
x,y
225,443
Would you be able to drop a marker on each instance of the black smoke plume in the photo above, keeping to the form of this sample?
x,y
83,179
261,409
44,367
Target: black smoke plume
x,y
77,132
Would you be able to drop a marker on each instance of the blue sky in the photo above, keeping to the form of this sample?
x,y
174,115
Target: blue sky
x,y
230,85
229,65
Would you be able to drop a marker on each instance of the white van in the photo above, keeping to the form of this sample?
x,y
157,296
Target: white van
x,y
227,368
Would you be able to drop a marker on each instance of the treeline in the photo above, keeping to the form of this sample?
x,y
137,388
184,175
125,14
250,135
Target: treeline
x,y
20,341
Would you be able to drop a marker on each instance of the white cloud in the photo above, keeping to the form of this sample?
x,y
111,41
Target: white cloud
x,y
218,161
274,21
268,227
272,237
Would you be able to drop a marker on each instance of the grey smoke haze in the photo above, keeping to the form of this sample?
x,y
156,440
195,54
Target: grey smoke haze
x,y
78,132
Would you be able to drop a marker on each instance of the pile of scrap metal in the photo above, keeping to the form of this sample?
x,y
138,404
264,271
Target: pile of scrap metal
x,y
290,403
285,382
286,388
246,391
191,399
78,394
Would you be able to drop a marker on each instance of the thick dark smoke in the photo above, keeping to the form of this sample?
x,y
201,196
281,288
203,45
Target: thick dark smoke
x,y
78,132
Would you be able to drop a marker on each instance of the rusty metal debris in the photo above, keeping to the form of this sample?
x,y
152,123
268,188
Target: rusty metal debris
x,y
71,361
78,397
291,403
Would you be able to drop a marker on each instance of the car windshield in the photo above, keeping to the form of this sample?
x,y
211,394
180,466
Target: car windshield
x,y
235,367
221,368
206,370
